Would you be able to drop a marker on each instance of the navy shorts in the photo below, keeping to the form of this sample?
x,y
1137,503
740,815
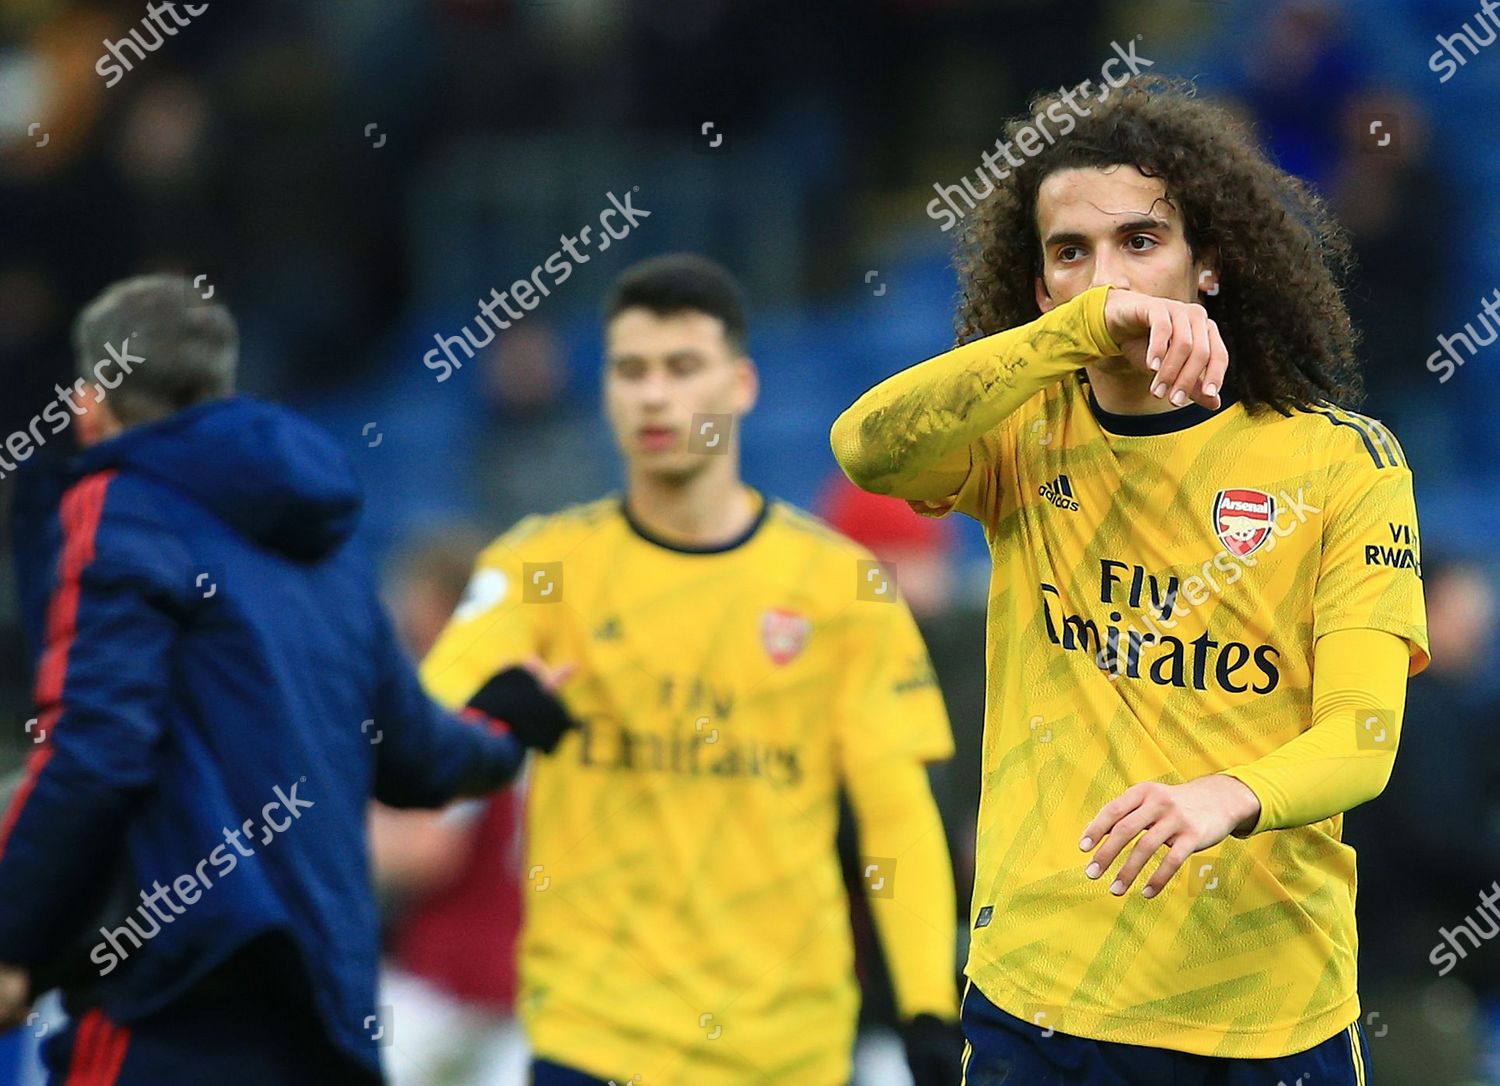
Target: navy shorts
x,y
1005,1049
547,1073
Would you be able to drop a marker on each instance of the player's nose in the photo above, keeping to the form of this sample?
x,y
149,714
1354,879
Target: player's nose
x,y
1109,273
654,389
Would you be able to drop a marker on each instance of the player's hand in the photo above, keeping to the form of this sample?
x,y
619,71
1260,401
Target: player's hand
x,y
1177,341
524,697
15,996
1188,818
934,1051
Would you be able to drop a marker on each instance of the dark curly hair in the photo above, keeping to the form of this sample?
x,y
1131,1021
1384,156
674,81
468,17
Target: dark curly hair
x,y
1282,259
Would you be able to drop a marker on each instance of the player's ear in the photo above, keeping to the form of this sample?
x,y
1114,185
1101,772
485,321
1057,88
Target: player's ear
x,y
1044,300
748,384
96,423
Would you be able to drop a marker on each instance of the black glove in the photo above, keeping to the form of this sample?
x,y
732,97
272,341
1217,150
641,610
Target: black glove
x,y
534,715
934,1051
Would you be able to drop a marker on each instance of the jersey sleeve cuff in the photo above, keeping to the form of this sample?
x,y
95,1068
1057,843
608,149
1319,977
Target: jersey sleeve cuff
x,y
1414,634
1094,324
1247,777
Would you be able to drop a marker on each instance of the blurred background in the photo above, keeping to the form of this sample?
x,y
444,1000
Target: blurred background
x,y
353,176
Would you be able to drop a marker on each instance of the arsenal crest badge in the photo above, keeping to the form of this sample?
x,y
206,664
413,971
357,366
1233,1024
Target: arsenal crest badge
x,y
784,634
1243,519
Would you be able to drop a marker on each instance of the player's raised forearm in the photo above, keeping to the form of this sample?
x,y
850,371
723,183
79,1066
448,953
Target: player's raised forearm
x,y
909,436
1346,757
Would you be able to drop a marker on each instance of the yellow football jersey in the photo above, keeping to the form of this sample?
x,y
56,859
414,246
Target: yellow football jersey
x,y
1158,584
686,918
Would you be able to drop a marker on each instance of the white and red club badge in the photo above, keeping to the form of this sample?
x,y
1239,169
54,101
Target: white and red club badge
x,y
1243,519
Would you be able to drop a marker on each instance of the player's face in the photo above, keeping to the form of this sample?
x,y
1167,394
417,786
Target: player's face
x,y
1113,226
666,375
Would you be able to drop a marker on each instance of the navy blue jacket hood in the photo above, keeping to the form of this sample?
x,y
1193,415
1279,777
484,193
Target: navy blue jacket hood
x,y
273,475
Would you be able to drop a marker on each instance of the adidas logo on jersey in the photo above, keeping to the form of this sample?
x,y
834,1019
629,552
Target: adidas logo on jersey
x,y
1059,492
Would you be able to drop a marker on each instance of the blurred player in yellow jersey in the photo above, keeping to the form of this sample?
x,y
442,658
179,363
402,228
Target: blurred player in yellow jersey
x,y
1204,606
730,663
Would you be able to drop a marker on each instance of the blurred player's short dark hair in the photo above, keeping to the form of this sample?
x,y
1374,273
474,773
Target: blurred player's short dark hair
x,y
677,283
190,346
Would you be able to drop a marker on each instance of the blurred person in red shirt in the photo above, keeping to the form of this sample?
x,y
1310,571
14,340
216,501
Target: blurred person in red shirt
x,y
918,548
451,884
920,551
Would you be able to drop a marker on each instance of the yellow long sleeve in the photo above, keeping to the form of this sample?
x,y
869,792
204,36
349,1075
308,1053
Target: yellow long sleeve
x,y
909,883
1346,757
910,435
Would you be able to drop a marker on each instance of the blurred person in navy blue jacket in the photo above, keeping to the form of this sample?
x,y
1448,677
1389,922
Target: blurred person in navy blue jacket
x,y
218,695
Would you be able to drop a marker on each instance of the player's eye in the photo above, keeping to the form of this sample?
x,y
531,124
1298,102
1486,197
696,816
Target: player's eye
x,y
682,365
1068,253
629,369
1150,243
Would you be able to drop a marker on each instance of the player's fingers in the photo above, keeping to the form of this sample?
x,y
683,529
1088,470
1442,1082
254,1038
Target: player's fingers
x,y
1177,352
1144,849
1176,856
1123,833
1160,337
560,675
1108,815
1209,388
1190,377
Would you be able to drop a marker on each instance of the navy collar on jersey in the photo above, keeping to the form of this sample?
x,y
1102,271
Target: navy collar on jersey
x,y
717,548
1166,422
